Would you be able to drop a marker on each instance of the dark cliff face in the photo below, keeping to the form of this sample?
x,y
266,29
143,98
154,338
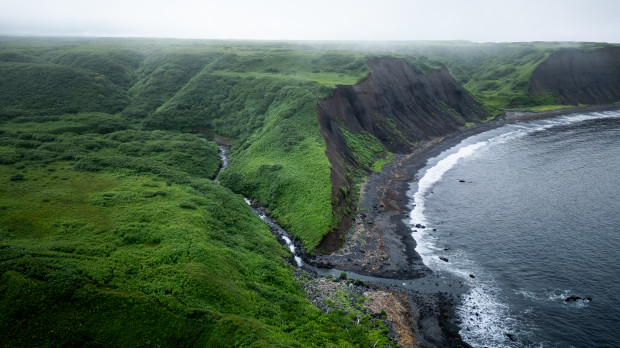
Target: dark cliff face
x,y
397,104
580,77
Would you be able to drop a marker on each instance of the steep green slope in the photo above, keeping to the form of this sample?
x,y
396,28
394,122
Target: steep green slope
x,y
580,76
161,75
266,101
111,236
499,75
261,96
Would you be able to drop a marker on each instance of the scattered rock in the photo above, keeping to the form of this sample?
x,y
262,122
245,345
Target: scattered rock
x,y
461,180
577,298
472,276
445,259
510,337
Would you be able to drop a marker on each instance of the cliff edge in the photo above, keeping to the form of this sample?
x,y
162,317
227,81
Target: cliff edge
x,y
576,76
398,104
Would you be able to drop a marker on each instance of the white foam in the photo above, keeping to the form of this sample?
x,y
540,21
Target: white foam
x,y
291,247
298,261
433,175
486,319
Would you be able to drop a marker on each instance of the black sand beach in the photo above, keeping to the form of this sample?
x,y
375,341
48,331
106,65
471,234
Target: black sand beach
x,y
381,245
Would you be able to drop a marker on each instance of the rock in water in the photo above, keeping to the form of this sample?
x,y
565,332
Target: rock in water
x,y
577,298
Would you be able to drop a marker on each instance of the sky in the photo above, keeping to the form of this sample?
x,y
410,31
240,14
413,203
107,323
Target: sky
x,y
378,20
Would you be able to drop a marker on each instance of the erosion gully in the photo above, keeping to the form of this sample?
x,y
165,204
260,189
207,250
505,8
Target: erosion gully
x,y
433,283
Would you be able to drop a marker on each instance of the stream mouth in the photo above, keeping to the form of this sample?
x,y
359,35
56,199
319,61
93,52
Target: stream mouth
x,y
432,283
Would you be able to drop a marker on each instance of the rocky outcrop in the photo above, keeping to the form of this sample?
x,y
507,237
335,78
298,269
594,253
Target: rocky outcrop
x,y
398,104
579,76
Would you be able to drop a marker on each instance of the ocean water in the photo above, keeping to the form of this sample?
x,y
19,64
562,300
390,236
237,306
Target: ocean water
x,y
528,215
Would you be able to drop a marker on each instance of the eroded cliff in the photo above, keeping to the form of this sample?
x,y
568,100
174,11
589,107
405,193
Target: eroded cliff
x,y
399,105
579,76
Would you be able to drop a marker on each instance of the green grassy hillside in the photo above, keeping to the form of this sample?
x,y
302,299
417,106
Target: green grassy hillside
x,y
266,101
112,230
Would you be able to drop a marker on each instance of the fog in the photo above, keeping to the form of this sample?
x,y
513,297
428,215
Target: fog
x,y
474,20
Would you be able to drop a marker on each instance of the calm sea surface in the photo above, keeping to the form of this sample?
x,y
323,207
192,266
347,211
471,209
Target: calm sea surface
x,y
528,215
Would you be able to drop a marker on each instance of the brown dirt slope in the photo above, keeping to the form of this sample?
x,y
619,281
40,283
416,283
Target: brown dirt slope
x,y
579,76
398,104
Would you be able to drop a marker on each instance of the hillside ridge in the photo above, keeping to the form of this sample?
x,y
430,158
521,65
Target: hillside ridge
x,y
575,76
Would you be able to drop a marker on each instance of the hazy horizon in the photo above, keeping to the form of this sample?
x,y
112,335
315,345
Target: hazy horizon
x,y
321,20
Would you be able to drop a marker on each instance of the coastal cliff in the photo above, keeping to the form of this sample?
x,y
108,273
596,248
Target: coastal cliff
x,y
579,76
399,105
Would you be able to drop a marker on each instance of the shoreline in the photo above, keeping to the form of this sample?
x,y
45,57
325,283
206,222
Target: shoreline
x,y
381,243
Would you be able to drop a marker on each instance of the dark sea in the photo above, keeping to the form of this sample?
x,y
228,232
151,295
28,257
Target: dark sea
x,y
528,215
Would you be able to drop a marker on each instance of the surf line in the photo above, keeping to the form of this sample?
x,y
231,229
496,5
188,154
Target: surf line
x,y
486,319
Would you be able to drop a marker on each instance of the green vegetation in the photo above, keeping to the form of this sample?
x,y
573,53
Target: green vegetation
x,y
551,107
368,151
496,74
263,96
266,101
114,236
108,211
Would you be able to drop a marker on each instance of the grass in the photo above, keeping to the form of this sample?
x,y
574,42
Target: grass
x,y
367,150
103,228
551,107
108,213
496,74
267,101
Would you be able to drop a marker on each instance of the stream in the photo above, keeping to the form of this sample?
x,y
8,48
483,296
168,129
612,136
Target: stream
x,y
435,282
